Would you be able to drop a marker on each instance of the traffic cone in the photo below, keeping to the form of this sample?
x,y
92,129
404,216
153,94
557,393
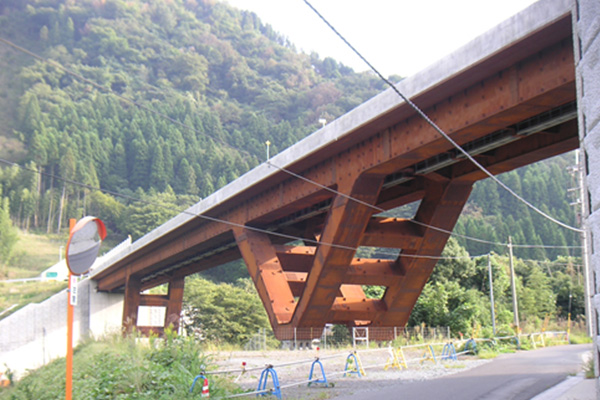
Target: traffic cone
x,y
205,391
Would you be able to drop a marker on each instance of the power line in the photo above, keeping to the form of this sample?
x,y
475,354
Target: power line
x,y
217,220
234,224
162,115
396,254
381,210
438,129
206,217
127,100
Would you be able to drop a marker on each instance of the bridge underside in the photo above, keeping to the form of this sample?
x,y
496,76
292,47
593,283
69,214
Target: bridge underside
x,y
508,112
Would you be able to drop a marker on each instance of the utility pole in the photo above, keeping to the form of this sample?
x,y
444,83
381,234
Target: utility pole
x,y
512,283
492,295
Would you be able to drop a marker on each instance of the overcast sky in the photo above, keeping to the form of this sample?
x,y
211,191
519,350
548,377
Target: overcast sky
x,y
396,36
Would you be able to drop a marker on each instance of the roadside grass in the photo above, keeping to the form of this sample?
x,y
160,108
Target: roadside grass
x,y
487,354
124,368
454,365
588,368
33,254
579,338
19,294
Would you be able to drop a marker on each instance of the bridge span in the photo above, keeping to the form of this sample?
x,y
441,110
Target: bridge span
x,y
508,98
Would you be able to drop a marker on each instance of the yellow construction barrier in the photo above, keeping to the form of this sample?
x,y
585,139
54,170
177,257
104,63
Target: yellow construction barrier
x,y
353,365
396,360
429,355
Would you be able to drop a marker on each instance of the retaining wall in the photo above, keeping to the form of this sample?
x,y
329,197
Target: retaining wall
x,y
37,334
586,23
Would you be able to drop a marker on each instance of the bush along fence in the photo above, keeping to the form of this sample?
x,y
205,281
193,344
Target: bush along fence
x,y
351,364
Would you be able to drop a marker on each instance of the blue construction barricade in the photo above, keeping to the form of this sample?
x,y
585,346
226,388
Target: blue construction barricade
x,y
205,389
449,352
323,378
262,383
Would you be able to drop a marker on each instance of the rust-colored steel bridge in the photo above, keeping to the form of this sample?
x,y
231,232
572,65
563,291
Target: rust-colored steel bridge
x,y
508,98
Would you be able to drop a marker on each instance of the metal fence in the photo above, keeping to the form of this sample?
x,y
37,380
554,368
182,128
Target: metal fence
x,y
338,336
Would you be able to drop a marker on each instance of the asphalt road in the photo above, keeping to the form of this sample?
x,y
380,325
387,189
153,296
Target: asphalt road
x,y
518,376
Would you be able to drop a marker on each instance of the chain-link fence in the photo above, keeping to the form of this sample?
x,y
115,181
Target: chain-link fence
x,y
258,341
338,336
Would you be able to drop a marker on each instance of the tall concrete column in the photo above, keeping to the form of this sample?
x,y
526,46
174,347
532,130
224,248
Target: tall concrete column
x,y
586,26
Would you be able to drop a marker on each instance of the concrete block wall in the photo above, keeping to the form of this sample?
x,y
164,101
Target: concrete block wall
x,y
586,25
36,334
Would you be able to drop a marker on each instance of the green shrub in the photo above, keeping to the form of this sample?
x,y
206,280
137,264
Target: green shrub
x,y
123,368
589,369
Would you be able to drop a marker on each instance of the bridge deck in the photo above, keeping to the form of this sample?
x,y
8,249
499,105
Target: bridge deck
x,y
508,97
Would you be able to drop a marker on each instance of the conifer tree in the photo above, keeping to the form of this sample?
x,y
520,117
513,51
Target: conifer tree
x,y
8,234
185,180
158,175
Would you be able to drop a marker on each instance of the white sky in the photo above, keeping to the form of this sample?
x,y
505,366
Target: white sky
x,y
396,36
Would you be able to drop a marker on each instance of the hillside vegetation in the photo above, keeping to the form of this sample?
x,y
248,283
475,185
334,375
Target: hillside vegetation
x,y
219,82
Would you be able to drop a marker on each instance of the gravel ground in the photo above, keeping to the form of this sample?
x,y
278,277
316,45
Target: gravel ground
x,y
334,361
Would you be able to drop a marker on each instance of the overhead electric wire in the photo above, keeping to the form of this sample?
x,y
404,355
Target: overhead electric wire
x,y
438,129
205,217
130,101
382,210
160,114
234,224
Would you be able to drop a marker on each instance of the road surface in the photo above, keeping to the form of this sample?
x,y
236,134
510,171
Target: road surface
x,y
518,376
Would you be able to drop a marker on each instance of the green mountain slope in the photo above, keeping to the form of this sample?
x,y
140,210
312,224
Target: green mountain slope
x,y
219,84
493,214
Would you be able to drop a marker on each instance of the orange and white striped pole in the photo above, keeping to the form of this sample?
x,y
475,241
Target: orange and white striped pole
x,y
69,371
80,253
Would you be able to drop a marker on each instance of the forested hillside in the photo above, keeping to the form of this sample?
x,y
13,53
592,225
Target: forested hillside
x,y
493,214
219,81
